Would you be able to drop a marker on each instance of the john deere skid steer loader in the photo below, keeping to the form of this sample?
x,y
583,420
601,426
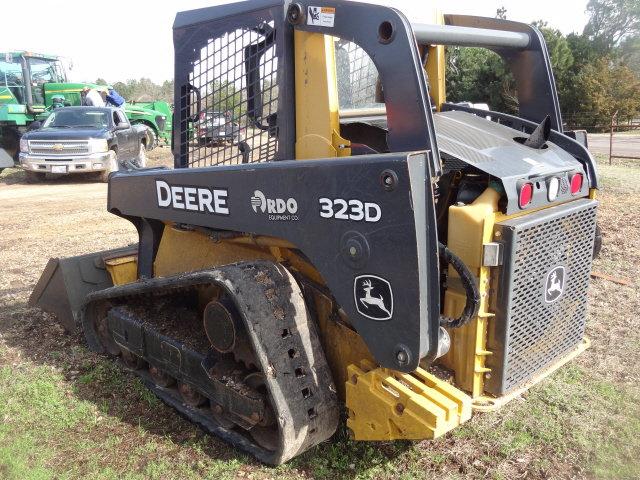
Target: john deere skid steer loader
x,y
365,243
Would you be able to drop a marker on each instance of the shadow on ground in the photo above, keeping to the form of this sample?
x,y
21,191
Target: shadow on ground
x,y
12,176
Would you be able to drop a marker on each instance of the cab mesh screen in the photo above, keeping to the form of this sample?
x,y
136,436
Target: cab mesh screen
x,y
229,106
357,77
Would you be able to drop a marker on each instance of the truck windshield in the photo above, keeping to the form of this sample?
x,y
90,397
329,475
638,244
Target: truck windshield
x,y
78,117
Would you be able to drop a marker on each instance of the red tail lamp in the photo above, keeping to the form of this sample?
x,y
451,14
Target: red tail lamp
x,y
526,195
576,183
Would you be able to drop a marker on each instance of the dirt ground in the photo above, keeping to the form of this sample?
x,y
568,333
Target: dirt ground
x,y
68,413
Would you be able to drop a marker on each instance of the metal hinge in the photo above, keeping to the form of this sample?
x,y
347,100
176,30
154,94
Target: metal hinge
x,y
491,254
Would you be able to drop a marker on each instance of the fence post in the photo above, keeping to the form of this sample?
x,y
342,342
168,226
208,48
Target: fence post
x,y
611,136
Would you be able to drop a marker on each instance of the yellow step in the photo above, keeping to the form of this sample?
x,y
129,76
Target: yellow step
x,y
387,405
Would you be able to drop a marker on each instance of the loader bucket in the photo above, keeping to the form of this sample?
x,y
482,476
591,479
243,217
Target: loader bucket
x,y
65,282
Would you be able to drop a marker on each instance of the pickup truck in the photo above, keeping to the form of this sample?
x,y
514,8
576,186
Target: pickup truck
x,y
83,140
214,128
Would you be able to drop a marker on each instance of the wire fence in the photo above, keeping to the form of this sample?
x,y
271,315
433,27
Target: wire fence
x,y
615,140
585,120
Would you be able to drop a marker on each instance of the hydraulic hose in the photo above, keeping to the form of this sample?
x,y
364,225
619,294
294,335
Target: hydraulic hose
x,y
468,283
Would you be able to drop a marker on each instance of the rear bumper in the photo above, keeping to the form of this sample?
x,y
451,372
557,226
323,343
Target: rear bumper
x,y
96,162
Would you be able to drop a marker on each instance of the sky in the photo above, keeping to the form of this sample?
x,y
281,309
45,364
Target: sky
x,y
133,39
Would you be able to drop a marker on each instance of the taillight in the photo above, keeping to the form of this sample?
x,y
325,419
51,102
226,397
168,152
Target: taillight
x,y
526,194
553,188
576,183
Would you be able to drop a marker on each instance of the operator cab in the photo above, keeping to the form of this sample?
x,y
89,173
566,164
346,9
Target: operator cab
x,y
23,75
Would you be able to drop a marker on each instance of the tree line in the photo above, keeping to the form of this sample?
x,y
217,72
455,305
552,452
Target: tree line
x,y
142,90
597,72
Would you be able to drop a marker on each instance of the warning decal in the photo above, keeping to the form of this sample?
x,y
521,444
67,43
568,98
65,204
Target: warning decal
x,y
321,16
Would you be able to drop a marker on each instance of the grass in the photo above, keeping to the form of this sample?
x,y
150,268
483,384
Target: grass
x,y
49,431
67,413
11,175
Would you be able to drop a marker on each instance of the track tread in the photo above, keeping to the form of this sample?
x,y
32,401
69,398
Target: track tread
x,y
285,342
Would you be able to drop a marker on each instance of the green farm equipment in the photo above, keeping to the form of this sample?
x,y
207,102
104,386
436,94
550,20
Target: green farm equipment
x,y
29,84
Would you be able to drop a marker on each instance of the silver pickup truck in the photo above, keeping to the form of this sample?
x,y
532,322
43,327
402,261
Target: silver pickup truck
x,y
83,140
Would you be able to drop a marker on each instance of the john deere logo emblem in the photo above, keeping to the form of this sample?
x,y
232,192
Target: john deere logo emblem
x,y
554,284
58,147
373,297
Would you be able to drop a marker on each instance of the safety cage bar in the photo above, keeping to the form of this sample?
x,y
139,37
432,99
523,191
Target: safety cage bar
x,y
521,47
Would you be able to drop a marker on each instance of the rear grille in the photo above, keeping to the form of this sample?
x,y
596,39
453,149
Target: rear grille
x,y
546,253
62,148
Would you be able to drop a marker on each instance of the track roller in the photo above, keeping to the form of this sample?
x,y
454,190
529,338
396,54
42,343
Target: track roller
x,y
161,378
131,360
191,395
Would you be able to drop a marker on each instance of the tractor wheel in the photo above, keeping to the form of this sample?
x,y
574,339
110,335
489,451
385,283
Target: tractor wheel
x,y
152,139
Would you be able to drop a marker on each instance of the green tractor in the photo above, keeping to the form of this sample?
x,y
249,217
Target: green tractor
x,y
31,85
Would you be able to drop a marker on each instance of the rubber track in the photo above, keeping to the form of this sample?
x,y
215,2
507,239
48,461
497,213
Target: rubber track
x,y
285,342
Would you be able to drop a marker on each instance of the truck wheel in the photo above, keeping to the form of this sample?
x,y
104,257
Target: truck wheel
x,y
112,167
141,159
34,177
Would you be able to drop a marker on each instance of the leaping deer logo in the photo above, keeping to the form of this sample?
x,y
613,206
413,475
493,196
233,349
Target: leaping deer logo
x,y
373,297
554,285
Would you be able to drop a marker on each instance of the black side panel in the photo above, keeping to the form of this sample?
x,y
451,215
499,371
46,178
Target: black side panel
x,y
338,212
234,60
531,67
